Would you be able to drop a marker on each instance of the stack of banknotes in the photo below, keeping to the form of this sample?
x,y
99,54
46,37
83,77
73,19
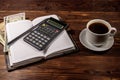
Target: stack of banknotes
x,y
2,41
8,19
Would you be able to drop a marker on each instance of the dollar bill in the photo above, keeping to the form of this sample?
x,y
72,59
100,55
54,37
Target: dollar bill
x,y
8,19
14,17
2,27
2,41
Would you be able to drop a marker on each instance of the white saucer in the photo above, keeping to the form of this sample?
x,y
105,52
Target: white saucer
x,y
82,38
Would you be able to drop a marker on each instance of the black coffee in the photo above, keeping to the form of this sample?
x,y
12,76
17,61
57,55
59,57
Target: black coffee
x,y
98,28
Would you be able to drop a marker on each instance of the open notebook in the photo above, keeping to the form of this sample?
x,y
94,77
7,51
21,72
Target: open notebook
x,y
20,53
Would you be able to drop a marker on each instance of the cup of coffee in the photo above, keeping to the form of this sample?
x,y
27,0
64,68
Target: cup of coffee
x,y
99,31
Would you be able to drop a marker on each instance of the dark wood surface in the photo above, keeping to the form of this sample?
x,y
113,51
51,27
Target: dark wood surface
x,y
83,65
71,5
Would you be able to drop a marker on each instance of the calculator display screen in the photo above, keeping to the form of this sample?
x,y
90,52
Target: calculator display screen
x,y
55,24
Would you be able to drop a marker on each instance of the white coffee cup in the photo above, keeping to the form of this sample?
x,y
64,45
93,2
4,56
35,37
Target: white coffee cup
x,y
99,31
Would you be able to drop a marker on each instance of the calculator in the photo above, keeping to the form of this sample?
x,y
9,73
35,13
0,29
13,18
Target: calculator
x,y
44,33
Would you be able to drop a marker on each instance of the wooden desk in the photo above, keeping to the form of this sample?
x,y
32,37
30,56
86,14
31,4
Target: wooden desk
x,y
83,65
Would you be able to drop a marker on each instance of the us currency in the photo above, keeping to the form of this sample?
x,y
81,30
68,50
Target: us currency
x,y
8,19
2,41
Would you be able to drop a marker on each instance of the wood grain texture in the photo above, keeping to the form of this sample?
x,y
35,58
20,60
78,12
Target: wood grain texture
x,y
71,5
83,65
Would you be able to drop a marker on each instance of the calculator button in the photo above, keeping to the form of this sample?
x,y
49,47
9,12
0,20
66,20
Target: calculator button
x,y
48,38
33,37
39,37
56,31
38,33
43,43
27,38
37,43
36,39
45,36
42,39
30,35
43,25
33,33
45,40
40,45
33,41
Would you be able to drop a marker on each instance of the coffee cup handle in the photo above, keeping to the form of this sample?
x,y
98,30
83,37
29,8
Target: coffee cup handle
x,y
113,31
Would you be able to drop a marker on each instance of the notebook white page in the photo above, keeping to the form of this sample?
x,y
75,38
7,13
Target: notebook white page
x,y
14,29
21,50
18,28
62,42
